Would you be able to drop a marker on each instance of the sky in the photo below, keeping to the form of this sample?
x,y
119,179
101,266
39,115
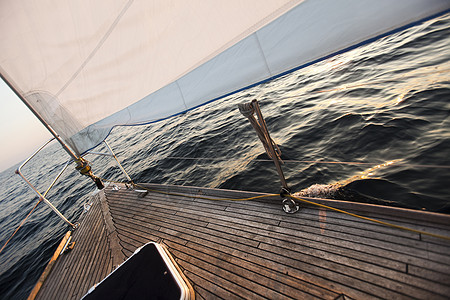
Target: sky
x,y
21,133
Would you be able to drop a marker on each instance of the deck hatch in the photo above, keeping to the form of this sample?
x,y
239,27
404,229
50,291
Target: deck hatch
x,y
150,273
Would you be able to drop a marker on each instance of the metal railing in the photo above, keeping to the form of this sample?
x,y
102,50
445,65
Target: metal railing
x,y
42,197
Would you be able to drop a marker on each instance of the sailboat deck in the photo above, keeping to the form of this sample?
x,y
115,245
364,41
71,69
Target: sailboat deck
x,y
253,250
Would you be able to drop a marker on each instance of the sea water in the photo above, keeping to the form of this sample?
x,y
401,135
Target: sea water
x,y
370,125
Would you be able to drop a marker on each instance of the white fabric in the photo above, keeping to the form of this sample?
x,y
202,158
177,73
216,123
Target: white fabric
x,y
87,66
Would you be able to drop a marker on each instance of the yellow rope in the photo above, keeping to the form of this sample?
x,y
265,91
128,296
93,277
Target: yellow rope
x,y
207,198
300,200
370,219
197,196
23,221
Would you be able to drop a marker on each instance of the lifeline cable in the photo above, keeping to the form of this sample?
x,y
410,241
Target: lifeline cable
x,y
315,162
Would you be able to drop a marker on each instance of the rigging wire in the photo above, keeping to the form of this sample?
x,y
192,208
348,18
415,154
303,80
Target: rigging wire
x,y
20,225
316,162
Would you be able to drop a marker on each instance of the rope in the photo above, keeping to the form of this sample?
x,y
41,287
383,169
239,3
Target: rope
x,y
300,200
23,221
197,196
208,198
370,219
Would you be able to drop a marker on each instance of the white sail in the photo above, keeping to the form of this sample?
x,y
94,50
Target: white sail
x,y
87,66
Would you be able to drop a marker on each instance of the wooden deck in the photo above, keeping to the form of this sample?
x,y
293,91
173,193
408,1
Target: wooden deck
x,y
253,250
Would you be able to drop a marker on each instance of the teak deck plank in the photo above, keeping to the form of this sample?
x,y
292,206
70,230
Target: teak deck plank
x,y
251,249
86,264
366,251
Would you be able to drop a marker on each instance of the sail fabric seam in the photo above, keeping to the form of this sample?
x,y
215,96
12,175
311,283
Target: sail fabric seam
x,y
249,31
263,54
97,47
182,95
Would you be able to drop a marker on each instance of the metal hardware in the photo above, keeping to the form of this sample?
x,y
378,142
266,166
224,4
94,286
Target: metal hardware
x,y
112,154
290,206
248,110
87,206
42,196
66,245
84,167
141,193
75,156
260,126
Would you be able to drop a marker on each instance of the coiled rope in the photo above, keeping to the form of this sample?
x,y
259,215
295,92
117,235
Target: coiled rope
x,y
294,198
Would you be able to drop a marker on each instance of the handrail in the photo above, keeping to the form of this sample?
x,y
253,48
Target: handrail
x,y
42,196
